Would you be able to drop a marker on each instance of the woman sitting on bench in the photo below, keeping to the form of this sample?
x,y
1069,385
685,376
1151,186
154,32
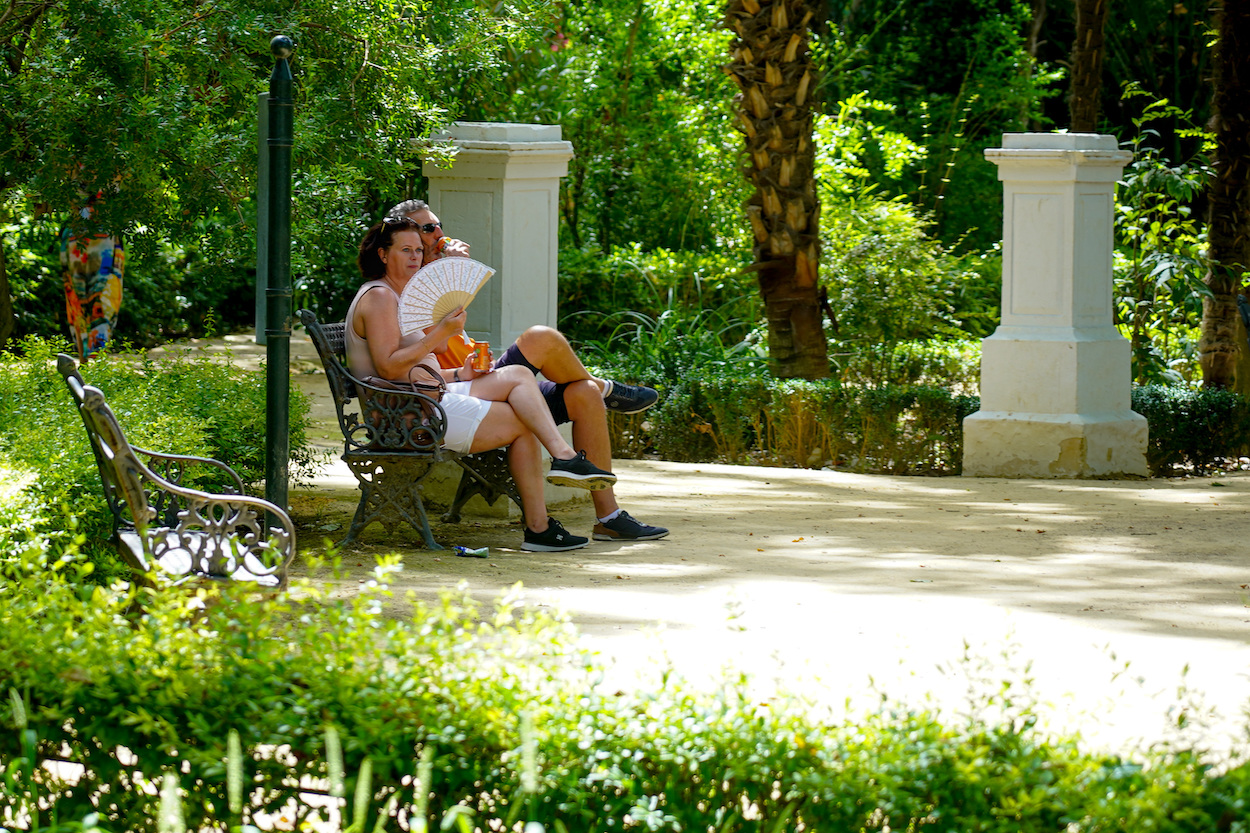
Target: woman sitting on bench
x,y
506,407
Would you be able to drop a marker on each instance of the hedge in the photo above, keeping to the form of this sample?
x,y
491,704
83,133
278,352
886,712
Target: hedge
x,y
490,720
894,429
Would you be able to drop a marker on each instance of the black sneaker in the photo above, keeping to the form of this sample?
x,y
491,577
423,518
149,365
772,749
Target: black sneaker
x,y
624,527
629,399
555,538
579,473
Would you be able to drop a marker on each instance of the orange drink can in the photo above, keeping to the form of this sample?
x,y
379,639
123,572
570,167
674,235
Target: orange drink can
x,y
481,356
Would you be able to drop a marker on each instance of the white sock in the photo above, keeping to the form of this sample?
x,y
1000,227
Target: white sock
x,y
607,390
609,517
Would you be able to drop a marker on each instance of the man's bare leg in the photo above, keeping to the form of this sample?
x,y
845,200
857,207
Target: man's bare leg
x,y
549,351
590,434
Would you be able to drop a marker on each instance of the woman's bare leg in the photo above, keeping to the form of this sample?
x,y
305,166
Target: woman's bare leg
x,y
525,461
516,386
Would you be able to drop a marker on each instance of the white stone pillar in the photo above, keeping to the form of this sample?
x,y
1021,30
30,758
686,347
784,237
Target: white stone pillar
x,y
1055,375
501,196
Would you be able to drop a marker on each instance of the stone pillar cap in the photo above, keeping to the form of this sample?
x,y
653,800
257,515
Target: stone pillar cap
x,y
1060,151
482,131
1060,141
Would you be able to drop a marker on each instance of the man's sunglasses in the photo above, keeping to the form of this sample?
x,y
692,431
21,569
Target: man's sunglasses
x,y
428,228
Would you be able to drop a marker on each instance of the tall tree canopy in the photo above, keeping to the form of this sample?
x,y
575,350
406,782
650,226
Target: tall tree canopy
x,y
154,103
637,88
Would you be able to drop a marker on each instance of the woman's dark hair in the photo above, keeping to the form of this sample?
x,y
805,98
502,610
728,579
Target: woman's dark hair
x,y
380,236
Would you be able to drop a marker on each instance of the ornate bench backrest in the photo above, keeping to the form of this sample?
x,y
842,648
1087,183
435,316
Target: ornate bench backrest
x,y
159,522
120,469
399,423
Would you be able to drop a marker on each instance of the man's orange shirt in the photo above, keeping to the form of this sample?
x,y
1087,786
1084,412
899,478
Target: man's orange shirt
x,y
458,349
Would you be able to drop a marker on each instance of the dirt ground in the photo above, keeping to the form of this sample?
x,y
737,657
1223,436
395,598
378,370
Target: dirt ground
x,y
1118,605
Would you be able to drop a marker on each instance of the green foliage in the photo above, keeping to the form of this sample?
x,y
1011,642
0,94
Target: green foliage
x,y
636,86
939,362
890,280
606,297
1161,45
154,104
732,413
895,429
895,408
169,291
222,707
956,75
181,404
1160,256
1192,429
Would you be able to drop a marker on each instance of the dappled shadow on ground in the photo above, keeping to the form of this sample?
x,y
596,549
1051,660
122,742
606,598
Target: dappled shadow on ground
x,y
838,586
1163,556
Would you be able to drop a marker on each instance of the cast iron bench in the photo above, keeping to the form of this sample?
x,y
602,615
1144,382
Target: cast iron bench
x,y
389,466
160,525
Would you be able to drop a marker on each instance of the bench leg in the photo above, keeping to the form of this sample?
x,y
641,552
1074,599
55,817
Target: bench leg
x,y
390,493
484,474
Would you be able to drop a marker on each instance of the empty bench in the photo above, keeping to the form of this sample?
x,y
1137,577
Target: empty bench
x,y
164,528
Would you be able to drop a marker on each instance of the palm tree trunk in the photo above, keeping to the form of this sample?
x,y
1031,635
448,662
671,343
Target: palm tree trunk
x,y
772,65
1223,351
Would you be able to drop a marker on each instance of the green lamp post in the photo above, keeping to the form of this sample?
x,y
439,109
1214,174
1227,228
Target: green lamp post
x,y
278,292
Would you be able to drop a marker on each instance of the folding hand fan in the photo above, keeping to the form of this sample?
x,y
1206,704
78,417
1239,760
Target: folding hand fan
x,y
439,288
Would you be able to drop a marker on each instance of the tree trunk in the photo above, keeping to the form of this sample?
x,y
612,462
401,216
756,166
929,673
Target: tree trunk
x,y
1223,350
8,323
1087,52
1036,19
772,65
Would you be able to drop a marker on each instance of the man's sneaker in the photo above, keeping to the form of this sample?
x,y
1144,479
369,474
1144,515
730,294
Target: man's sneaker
x,y
629,399
624,527
579,473
555,538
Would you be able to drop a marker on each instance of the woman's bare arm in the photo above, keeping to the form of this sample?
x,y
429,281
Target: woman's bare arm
x,y
393,353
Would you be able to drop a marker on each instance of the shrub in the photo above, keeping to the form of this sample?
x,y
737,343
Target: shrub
x,y
491,721
939,362
1192,429
183,405
737,418
599,293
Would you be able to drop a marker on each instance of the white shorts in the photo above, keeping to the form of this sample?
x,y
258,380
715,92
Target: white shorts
x,y
464,414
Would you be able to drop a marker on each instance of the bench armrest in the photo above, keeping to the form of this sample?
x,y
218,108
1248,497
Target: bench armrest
x,y
173,466
218,535
392,420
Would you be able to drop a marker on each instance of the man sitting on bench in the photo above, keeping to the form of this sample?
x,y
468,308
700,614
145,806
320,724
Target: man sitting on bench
x,y
571,392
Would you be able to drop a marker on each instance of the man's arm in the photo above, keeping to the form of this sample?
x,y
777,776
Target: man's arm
x,y
451,247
